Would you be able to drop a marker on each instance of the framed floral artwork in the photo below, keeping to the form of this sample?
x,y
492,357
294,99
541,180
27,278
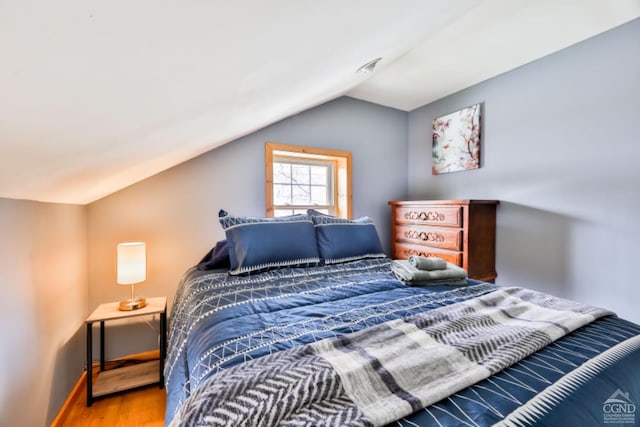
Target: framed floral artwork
x,y
456,141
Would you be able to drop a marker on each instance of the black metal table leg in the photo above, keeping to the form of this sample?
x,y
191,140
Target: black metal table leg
x,y
101,345
89,368
163,345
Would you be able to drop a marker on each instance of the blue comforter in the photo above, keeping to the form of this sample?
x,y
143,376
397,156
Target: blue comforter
x,y
219,321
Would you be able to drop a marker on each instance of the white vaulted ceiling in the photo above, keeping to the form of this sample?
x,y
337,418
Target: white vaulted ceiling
x,y
96,95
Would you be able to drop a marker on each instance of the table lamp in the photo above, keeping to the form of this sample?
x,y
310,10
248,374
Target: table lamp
x,y
132,269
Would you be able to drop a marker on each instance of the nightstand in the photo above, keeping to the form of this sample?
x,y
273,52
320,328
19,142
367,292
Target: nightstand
x,y
128,377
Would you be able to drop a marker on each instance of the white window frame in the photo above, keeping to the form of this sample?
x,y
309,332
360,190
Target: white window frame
x,y
329,184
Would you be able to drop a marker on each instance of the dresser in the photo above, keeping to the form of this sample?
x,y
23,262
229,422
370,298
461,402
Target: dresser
x,y
462,232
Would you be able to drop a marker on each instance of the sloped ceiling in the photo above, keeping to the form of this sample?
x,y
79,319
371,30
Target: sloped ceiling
x,y
96,95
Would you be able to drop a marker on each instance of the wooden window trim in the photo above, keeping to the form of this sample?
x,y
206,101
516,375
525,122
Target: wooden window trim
x,y
342,173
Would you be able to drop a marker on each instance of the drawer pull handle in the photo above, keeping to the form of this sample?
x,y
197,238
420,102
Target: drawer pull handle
x,y
424,236
425,216
409,252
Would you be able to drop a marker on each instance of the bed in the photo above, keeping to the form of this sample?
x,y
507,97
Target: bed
x,y
302,321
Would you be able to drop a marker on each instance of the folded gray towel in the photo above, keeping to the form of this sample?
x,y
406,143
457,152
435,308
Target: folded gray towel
x,y
413,276
454,282
427,263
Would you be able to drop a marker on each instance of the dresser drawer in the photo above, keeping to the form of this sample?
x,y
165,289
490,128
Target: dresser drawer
x,y
430,215
441,237
404,251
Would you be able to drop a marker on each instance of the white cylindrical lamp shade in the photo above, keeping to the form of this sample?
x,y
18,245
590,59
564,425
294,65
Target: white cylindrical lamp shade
x,y
132,263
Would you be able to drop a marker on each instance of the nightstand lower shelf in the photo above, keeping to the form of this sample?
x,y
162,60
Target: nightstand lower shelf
x,y
126,378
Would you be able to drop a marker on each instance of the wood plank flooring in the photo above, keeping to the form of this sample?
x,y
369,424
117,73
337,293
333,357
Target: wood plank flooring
x,y
140,407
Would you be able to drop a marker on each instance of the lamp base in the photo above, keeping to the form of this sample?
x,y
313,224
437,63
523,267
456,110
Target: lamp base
x,y
132,304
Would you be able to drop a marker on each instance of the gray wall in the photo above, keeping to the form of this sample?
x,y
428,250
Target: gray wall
x,y
43,288
561,150
175,212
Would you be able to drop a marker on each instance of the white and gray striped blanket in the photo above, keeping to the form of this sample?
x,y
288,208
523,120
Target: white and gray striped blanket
x,y
383,373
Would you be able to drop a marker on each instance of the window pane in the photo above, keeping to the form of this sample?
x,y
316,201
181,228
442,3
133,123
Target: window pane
x,y
281,194
319,195
281,172
300,174
300,195
319,175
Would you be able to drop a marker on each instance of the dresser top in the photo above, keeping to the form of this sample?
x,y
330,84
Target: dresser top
x,y
443,202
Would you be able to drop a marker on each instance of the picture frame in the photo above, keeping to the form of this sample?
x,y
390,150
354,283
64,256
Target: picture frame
x,y
457,140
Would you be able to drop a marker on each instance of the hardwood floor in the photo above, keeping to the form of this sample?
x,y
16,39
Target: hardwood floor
x,y
140,407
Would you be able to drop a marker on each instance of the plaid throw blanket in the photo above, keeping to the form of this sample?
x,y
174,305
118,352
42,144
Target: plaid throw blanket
x,y
381,374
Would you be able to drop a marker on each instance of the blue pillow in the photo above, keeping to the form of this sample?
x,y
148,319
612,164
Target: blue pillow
x,y
342,240
217,258
259,244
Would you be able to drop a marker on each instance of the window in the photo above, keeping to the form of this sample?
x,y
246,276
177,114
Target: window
x,y
302,184
301,178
